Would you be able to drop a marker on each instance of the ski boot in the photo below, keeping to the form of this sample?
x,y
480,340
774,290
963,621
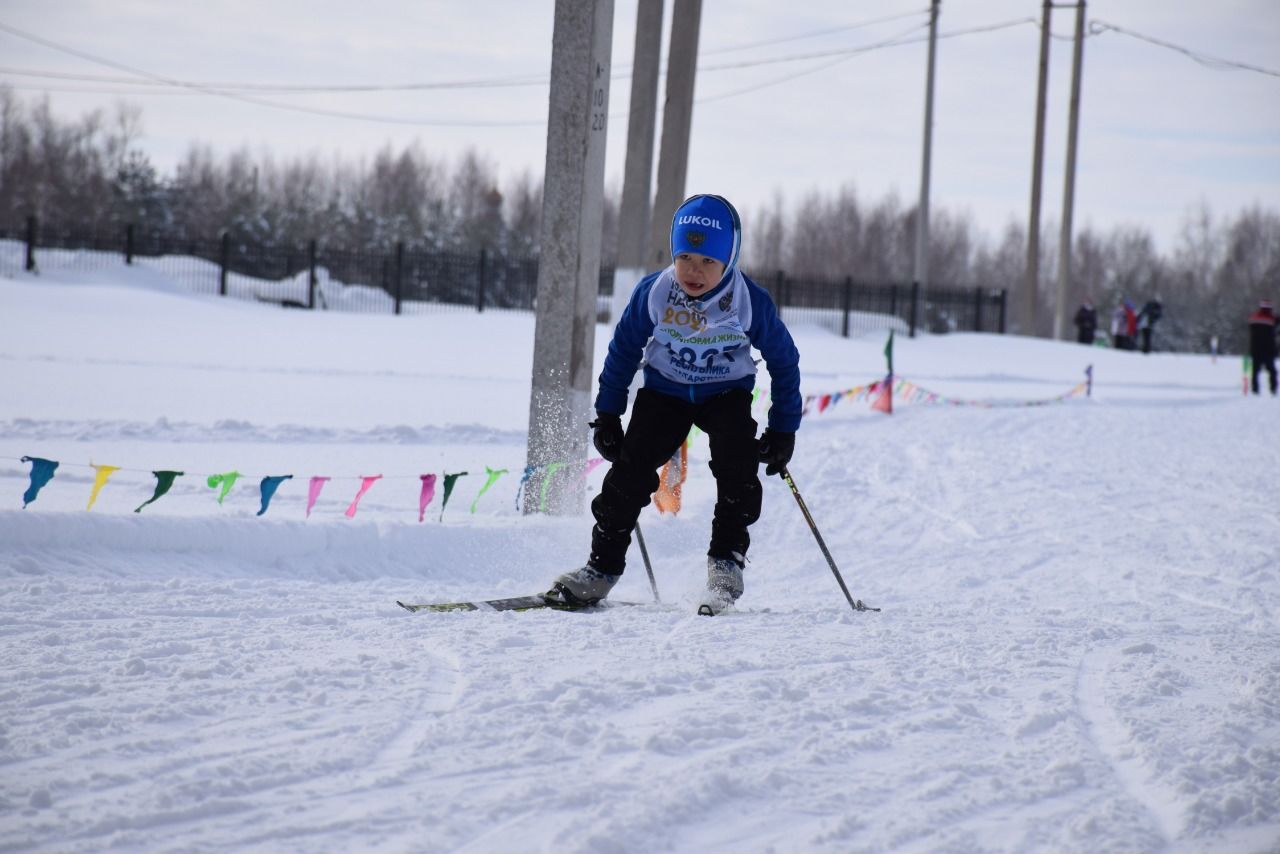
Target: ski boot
x,y
582,588
724,584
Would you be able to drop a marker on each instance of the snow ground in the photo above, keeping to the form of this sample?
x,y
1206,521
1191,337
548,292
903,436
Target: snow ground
x,y
1079,648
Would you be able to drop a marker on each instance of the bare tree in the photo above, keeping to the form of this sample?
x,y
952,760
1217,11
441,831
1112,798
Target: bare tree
x,y
888,244
1002,267
92,173
951,248
523,204
766,237
474,204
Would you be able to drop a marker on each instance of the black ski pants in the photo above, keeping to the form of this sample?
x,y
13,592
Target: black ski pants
x,y
1269,365
659,423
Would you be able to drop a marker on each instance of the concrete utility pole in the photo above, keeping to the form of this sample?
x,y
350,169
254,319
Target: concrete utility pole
x,y
633,216
677,121
569,263
1069,190
1031,281
922,212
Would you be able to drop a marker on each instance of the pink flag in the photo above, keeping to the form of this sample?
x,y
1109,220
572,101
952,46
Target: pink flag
x,y
428,492
313,492
884,402
365,483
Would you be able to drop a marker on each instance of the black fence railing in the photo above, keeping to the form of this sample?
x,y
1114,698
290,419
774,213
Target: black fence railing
x,y
849,307
399,280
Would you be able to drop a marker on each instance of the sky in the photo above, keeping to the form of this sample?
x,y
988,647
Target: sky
x,y
1161,133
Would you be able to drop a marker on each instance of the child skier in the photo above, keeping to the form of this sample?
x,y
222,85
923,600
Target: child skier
x,y
692,326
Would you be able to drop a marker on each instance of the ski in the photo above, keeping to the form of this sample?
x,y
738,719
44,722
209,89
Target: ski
x,y
515,603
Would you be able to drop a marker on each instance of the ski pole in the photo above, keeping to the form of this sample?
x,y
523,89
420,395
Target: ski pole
x,y
855,604
644,553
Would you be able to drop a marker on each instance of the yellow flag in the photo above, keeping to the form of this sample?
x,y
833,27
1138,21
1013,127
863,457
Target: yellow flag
x,y
102,474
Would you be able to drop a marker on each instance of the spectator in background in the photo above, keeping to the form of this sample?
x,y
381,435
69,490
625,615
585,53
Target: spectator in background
x,y
1130,325
1086,322
1147,318
1121,338
1262,343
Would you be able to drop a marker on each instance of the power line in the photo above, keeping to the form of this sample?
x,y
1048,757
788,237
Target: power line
x,y
229,90
895,41
490,83
854,51
1097,27
520,80
534,79
222,93
844,57
524,80
815,33
89,90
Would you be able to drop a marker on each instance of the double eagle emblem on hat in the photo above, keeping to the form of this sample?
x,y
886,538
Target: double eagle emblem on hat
x,y
696,238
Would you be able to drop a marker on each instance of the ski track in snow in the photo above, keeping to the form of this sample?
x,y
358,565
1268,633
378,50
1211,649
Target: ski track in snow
x,y
1078,648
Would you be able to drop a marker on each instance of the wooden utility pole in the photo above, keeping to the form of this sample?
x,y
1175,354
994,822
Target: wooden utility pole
x,y
569,261
633,214
1069,190
677,122
922,212
1031,280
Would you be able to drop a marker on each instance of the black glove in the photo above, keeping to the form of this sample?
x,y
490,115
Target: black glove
x,y
775,449
608,435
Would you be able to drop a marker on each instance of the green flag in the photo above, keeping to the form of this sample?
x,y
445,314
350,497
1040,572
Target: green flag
x,y
225,481
888,352
449,481
552,468
164,480
493,474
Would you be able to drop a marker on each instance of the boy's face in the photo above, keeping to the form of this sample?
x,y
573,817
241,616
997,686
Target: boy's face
x,y
697,274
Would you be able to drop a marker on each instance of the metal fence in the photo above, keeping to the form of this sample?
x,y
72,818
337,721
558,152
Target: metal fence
x,y
407,281
848,307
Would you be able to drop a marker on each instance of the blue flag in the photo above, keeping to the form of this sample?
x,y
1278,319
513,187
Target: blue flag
x,y
269,487
41,473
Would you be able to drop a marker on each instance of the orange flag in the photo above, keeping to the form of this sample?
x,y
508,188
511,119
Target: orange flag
x,y
667,498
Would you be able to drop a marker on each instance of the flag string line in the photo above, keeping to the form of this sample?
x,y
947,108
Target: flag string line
x,y
903,388
907,390
91,465
43,470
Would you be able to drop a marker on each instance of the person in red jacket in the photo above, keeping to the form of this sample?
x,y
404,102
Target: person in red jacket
x,y
1262,343
1130,324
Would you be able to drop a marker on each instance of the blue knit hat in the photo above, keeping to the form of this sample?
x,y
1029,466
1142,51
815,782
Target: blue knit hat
x,y
707,225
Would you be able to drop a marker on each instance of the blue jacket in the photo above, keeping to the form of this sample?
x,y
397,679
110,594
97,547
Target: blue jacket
x,y
697,348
